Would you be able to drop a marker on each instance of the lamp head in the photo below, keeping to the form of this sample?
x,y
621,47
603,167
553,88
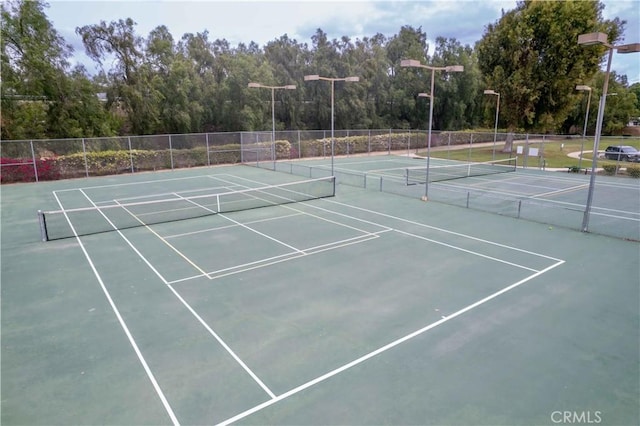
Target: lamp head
x,y
592,38
490,92
352,79
255,85
313,77
628,48
410,63
290,87
454,68
583,87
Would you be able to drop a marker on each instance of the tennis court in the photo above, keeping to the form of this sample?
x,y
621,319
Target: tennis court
x,y
551,198
229,295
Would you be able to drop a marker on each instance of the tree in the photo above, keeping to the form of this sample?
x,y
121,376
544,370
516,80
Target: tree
x,y
532,58
40,96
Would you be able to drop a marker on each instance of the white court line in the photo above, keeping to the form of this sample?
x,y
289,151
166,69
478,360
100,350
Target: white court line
x,y
219,228
561,191
495,259
385,348
184,302
519,196
288,256
121,321
378,213
167,243
245,226
133,183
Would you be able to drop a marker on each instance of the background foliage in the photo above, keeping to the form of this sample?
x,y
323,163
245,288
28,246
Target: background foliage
x,y
156,84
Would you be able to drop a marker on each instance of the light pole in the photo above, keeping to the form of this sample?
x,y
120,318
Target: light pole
x,y
586,119
416,64
587,40
273,109
495,131
316,77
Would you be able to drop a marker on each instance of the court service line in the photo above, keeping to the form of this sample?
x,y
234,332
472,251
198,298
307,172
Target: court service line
x,y
291,256
218,228
243,225
561,191
386,347
121,321
182,255
194,313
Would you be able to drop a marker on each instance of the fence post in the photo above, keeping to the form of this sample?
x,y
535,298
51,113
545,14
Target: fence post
x,y
206,139
449,146
35,164
369,143
130,154
389,144
84,154
526,151
171,152
470,145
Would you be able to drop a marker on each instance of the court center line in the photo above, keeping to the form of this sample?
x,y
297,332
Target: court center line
x,y
386,347
167,243
121,321
243,225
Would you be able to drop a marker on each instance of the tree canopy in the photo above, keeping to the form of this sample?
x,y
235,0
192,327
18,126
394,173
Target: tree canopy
x,y
159,83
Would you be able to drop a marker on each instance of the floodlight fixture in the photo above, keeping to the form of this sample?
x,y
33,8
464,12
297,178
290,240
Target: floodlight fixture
x,y
313,77
583,88
628,48
454,68
410,63
593,38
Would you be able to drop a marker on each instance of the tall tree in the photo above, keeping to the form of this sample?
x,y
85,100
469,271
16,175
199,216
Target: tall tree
x,y
532,58
41,97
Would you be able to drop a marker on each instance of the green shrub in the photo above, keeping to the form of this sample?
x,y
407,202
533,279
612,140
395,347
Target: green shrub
x,y
633,171
610,169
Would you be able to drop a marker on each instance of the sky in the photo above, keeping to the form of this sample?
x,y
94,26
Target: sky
x,y
243,21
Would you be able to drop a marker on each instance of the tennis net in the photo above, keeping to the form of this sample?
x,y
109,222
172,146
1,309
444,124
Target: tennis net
x,y
58,224
418,175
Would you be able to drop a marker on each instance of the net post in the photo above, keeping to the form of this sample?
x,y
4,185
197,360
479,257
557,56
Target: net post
x,y
43,226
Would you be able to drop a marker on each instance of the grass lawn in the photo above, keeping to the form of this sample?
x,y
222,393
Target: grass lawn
x,y
555,153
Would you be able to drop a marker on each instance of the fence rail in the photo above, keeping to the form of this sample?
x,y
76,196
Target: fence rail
x,y
51,159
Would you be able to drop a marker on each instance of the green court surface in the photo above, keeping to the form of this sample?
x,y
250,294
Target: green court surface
x,y
365,308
